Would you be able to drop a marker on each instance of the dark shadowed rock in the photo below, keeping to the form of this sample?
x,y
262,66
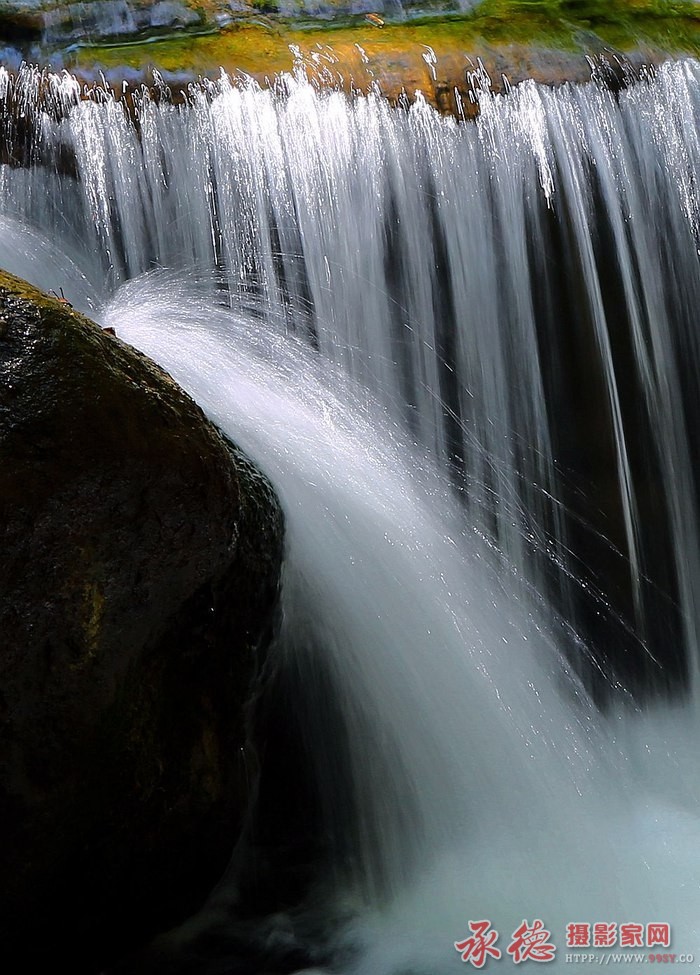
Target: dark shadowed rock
x,y
138,577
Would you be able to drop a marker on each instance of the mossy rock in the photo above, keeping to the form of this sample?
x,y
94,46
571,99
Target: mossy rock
x,y
138,580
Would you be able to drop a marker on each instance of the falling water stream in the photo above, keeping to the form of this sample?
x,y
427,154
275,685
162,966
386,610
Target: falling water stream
x,y
466,355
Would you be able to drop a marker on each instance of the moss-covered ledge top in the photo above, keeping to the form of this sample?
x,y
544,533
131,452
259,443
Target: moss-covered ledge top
x,y
427,45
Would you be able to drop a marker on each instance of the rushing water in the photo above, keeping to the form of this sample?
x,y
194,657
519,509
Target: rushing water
x,y
466,355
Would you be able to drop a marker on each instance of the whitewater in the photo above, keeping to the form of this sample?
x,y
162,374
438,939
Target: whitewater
x,y
409,323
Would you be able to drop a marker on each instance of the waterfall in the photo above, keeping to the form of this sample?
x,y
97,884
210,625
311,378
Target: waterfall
x,y
466,356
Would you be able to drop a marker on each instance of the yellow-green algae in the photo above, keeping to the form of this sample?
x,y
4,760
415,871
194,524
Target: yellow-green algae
x,y
671,26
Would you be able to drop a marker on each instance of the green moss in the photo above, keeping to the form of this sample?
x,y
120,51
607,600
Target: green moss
x,y
672,24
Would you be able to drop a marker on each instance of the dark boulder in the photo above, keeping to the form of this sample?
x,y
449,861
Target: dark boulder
x,y
138,578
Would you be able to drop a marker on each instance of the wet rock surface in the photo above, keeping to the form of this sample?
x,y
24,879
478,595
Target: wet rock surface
x,y
138,580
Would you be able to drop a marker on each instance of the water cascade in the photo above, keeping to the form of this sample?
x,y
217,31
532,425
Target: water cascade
x,y
465,354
